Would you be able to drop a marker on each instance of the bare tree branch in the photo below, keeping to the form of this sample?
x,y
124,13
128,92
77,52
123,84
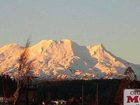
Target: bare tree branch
x,y
23,69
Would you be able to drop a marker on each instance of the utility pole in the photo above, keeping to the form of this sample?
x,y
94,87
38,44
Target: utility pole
x,y
3,88
82,94
97,89
27,91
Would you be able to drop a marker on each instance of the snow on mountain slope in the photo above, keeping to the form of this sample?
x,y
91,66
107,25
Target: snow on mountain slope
x,y
9,56
65,59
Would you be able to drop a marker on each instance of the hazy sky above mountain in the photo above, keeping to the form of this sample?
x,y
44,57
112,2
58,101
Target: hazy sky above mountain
x,y
115,23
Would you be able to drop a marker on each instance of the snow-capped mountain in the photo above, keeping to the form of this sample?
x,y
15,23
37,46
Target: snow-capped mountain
x,y
65,59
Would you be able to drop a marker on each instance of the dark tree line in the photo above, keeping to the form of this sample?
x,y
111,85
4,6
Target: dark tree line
x,y
69,90
107,90
7,86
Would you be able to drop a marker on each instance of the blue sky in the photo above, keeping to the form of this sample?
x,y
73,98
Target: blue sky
x,y
114,23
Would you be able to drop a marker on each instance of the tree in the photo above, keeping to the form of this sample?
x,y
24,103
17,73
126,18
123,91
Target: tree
x,y
23,71
130,74
125,83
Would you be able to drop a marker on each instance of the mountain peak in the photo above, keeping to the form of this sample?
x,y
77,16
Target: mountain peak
x,y
68,41
97,48
64,59
50,42
12,45
42,42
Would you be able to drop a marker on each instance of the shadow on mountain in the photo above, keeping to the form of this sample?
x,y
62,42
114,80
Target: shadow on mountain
x,y
83,54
